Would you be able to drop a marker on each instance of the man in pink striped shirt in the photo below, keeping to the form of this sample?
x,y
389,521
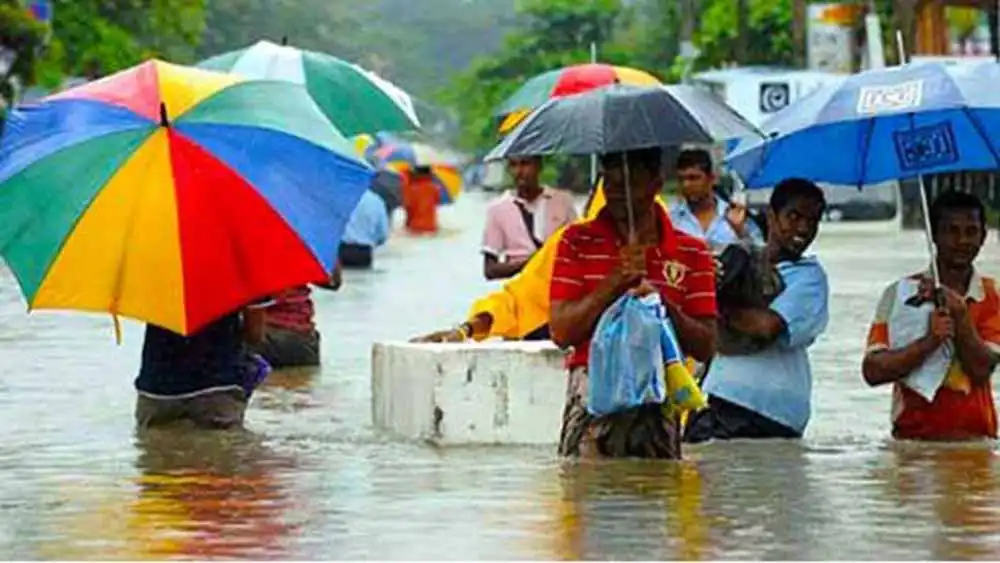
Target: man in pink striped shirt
x,y
291,338
518,223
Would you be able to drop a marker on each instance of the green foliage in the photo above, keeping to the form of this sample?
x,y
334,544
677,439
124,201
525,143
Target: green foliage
x,y
769,41
320,25
551,34
25,36
96,37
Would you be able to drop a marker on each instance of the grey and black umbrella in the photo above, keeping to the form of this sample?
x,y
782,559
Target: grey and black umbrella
x,y
621,118
388,186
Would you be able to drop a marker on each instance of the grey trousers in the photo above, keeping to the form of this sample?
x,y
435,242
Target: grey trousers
x,y
288,348
217,409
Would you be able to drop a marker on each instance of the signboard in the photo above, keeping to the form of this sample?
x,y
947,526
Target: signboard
x,y
830,37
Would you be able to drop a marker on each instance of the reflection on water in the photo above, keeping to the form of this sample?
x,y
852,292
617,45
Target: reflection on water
x,y
630,510
210,495
312,479
195,495
959,486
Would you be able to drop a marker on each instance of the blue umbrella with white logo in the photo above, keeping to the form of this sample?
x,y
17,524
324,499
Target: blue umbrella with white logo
x,y
880,125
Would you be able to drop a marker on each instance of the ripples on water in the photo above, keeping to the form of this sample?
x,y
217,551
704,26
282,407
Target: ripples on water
x,y
311,478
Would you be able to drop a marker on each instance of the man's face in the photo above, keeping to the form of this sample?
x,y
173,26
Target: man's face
x,y
959,235
695,183
525,172
645,186
794,228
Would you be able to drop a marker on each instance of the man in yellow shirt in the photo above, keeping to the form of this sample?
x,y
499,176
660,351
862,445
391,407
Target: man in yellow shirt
x,y
521,307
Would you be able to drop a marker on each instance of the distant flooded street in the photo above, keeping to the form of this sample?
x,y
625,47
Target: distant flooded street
x,y
311,479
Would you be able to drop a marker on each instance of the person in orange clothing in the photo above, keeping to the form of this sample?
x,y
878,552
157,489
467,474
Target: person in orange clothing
x,y
420,200
967,319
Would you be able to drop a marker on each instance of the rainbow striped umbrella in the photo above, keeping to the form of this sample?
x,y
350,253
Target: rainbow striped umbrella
x,y
566,81
173,195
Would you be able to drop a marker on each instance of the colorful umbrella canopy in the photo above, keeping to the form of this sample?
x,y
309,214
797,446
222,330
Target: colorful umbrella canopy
x,y
364,146
403,157
566,81
354,99
173,195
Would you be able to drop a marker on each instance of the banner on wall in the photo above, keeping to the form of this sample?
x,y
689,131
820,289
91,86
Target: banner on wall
x,y
830,36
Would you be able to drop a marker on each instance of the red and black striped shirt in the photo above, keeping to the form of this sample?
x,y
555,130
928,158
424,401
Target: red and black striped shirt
x,y
680,267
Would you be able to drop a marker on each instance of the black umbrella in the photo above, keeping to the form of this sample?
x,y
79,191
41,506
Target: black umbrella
x,y
621,118
389,187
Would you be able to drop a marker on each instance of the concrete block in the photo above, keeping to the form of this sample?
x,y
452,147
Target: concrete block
x,y
489,393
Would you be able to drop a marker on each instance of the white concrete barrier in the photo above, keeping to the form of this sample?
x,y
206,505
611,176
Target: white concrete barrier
x,y
490,393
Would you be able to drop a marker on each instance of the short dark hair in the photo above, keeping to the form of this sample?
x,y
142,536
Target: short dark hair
x,y
791,189
649,159
532,157
952,200
695,158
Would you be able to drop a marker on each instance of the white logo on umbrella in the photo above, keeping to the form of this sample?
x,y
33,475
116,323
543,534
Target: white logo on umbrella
x,y
897,97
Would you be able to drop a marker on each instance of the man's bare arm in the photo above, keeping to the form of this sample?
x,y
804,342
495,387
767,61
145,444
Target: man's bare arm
x,y
697,336
493,269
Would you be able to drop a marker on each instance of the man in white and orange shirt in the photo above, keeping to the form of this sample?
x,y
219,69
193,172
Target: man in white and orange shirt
x,y
941,367
519,222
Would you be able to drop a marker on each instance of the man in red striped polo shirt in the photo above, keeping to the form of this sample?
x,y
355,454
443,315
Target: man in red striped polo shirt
x,y
599,261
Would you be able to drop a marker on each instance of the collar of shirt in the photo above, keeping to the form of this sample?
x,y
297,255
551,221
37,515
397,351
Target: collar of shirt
x,y
668,235
719,231
546,194
683,208
976,291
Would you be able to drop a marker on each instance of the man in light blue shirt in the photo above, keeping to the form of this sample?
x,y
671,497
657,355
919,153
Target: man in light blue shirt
x,y
700,212
767,394
367,229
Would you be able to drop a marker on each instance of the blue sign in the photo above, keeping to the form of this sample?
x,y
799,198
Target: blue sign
x,y
926,147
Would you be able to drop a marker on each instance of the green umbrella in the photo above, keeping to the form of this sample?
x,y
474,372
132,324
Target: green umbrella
x,y
354,99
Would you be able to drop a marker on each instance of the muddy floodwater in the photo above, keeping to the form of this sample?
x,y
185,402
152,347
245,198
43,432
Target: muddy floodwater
x,y
312,479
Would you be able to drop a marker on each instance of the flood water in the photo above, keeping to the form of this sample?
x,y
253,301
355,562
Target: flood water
x,y
311,478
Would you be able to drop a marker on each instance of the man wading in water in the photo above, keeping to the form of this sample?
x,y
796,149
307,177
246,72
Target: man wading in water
x,y
968,319
519,223
703,214
599,261
766,393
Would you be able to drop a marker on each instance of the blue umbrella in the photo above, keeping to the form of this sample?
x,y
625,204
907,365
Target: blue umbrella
x,y
881,125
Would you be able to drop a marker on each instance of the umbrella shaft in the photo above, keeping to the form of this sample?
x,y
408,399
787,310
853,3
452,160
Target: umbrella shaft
x,y
929,232
628,200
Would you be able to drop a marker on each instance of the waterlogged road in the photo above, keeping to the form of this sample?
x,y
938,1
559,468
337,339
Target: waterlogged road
x,y
311,479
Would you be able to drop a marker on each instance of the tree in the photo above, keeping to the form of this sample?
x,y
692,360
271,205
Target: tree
x,y
768,38
22,37
331,27
550,34
96,37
